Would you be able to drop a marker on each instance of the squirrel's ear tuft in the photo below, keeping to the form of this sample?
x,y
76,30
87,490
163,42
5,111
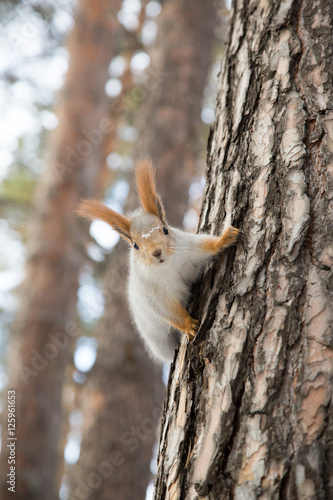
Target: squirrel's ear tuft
x,y
146,185
93,209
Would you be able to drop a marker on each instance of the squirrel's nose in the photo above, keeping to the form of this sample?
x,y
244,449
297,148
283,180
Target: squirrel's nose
x,y
157,252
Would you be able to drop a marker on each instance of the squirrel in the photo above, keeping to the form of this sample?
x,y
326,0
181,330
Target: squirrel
x,y
164,262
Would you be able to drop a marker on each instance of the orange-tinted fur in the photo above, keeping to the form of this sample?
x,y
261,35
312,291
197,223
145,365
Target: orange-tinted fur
x,y
93,209
146,186
214,245
182,320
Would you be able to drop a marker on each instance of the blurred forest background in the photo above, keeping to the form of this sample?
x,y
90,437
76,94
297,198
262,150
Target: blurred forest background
x,y
86,88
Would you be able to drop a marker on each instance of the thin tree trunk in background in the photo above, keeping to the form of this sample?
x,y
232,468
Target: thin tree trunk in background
x,y
249,410
125,391
44,328
169,124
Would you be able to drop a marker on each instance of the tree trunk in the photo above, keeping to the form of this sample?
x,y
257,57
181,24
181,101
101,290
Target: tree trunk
x,y
44,328
124,396
249,408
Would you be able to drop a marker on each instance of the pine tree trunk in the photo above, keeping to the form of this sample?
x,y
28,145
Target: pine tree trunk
x,y
44,329
124,396
249,408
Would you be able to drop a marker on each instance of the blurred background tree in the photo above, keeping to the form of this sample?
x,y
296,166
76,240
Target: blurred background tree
x,y
45,324
124,95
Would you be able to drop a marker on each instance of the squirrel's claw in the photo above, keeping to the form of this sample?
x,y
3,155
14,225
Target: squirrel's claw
x,y
193,329
241,236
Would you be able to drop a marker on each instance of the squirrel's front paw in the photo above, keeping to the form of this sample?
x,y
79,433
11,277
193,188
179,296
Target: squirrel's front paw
x,y
230,236
193,328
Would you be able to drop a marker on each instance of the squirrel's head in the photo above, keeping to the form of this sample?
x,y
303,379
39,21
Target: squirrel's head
x,y
146,230
152,240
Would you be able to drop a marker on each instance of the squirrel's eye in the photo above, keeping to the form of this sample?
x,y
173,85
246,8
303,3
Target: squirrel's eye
x,y
135,246
165,231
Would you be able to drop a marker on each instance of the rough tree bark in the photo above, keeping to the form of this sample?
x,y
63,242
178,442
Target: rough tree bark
x,y
123,401
44,327
249,409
